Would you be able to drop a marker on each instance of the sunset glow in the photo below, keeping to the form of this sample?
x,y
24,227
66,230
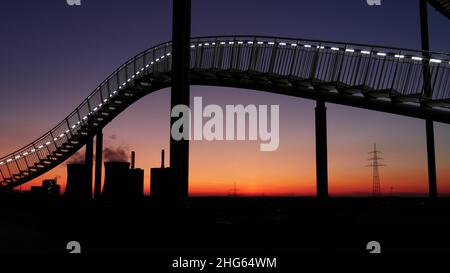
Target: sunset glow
x,y
65,58
217,166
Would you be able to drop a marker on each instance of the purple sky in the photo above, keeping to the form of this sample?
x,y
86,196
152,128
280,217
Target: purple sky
x,y
52,56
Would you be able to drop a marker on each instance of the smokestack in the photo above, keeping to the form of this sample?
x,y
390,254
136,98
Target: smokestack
x,y
162,158
133,159
78,187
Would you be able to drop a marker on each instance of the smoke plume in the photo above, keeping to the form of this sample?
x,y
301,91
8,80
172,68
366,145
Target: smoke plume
x,y
117,154
77,158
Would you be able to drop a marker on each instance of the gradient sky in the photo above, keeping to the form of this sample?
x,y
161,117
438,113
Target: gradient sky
x,y
52,56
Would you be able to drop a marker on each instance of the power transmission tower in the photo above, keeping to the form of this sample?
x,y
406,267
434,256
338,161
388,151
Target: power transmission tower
x,y
375,163
234,191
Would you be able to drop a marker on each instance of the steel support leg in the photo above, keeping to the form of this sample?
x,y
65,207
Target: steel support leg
x,y
431,159
89,158
321,150
179,150
427,92
98,165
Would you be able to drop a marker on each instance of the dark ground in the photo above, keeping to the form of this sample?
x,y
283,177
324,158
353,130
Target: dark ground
x,y
232,227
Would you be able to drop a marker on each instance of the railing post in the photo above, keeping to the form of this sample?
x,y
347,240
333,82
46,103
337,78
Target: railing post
x,y
200,57
53,141
79,116
47,148
166,62
26,162
154,58
294,59
397,63
340,65
252,55
118,80
89,105
108,90
238,58
17,163
273,56
36,151
197,50
366,75
1,174
216,43
68,128
144,62
380,80
9,171
101,93
232,54
315,62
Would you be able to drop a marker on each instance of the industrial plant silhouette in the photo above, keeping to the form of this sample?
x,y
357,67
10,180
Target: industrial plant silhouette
x,y
401,81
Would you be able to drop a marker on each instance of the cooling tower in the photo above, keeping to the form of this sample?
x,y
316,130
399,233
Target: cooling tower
x,y
117,181
78,187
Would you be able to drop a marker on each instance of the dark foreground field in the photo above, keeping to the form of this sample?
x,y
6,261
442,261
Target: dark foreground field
x,y
228,226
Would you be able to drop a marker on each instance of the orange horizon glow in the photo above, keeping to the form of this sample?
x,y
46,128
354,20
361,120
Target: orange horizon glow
x,y
215,167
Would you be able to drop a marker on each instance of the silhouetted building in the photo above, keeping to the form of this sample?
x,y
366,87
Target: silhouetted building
x,y
49,189
121,182
78,186
117,181
137,184
161,188
136,180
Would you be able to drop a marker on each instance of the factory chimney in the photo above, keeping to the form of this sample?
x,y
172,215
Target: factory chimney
x,y
162,158
133,159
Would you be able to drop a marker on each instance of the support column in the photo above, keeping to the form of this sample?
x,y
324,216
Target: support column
x,y
179,150
88,161
424,24
432,181
98,165
321,150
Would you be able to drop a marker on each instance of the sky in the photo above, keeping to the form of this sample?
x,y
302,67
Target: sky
x,y
53,55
